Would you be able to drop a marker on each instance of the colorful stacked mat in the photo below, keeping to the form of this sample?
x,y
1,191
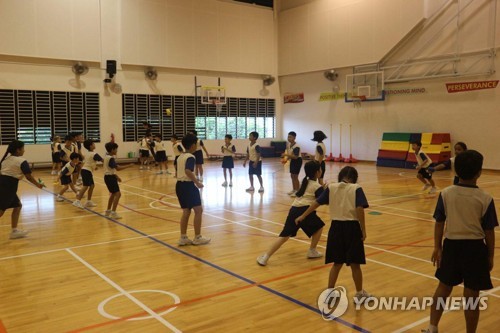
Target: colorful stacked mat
x,y
396,151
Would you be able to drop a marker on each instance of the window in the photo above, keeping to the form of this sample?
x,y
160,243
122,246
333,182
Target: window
x,y
34,116
238,117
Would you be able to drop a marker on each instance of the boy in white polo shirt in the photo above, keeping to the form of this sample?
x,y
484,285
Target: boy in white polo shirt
x,y
466,255
423,163
255,165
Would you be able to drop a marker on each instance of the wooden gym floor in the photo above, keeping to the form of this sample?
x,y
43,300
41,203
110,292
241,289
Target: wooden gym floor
x,y
81,272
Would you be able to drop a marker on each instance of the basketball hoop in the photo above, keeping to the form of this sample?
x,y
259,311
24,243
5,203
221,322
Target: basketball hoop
x,y
218,104
356,101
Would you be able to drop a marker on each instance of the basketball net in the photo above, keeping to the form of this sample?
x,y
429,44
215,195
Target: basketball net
x,y
356,101
218,105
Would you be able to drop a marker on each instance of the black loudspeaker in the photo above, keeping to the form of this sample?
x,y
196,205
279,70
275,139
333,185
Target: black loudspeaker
x,y
111,67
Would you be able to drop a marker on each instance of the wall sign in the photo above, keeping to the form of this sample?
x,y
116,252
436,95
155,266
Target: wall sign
x,y
469,86
293,98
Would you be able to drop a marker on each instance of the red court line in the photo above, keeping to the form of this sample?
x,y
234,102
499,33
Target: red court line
x,y
400,246
2,328
225,292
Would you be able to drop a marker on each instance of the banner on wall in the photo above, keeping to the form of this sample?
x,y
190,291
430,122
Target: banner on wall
x,y
330,96
404,91
293,98
469,86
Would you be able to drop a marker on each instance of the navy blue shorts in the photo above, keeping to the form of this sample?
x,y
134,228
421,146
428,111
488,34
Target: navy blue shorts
x,y
56,158
187,194
345,244
323,169
8,193
309,225
426,174
465,260
227,162
161,156
295,166
87,178
198,155
255,171
144,153
112,183
66,180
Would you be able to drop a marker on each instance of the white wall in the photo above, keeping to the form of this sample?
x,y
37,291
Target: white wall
x,y
331,34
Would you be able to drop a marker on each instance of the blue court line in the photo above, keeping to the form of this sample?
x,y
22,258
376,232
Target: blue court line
x,y
219,268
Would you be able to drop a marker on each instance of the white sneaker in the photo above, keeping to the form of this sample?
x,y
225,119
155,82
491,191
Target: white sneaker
x,y
141,168
184,241
230,184
291,192
261,189
77,203
114,215
201,179
293,195
90,203
224,184
313,253
14,234
262,260
53,172
59,198
159,172
168,172
200,240
250,189
362,296
425,187
107,212
433,190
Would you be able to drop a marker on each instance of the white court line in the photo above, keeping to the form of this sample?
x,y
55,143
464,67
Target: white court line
x,y
401,209
104,243
51,220
124,292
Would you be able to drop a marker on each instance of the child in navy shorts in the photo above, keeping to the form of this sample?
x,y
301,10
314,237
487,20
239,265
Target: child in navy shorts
x,y
188,193
255,165
347,233
111,179
312,225
89,165
228,149
293,154
66,174
13,167
465,215
423,163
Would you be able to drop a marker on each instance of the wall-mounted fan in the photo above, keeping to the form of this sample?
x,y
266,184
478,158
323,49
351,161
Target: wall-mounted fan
x,y
267,80
151,73
80,68
330,74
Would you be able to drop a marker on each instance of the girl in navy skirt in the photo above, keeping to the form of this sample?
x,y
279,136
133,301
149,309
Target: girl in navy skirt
x,y
13,168
312,225
227,161
198,155
319,154
347,233
55,147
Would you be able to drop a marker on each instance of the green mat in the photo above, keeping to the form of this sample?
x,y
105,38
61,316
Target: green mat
x,y
396,137
375,213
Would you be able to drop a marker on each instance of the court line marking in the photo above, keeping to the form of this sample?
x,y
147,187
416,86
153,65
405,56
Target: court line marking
x,y
103,243
44,221
124,292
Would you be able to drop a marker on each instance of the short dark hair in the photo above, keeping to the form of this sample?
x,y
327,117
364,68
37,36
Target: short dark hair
x,y
87,143
195,132
318,136
188,140
292,133
73,156
110,146
461,144
468,164
229,136
255,135
174,136
348,172
417,142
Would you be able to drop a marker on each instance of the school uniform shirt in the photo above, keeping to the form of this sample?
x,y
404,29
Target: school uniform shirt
x,y
313,191
253,152
55,147
109,165
467,211
90,161
422,159
293,150
67,151
199,144
185,161
320,151
68,169
159,146
343,199
177,148
232,149
15,167
144,144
